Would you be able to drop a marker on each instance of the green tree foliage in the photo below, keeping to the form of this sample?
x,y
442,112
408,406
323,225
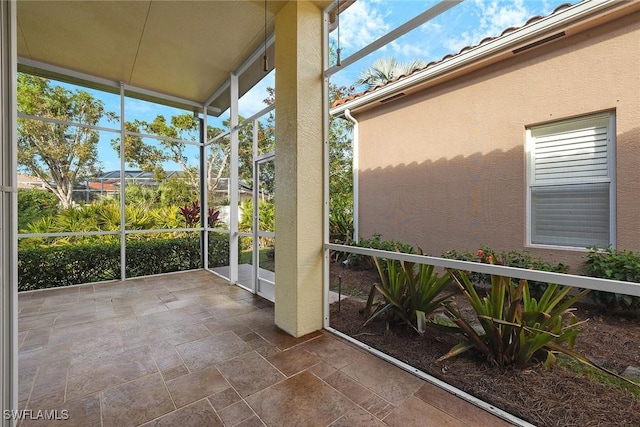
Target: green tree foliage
x,y
340,158
266,211
170,148
59,154
149,157
35,204
340,155
176,192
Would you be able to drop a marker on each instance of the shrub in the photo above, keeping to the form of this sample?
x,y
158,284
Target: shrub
x,y
341,227
54,266
616,265
515,327
411,292
218,250
509,259
365,261
48,267
155,256
35,204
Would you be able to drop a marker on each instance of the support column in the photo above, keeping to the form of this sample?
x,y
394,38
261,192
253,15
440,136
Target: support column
x,y
299,168
8,217
234,181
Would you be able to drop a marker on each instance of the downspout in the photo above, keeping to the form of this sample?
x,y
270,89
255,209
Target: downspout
x,y
354,171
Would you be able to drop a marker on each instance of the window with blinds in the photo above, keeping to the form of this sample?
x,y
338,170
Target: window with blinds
x,y
571,185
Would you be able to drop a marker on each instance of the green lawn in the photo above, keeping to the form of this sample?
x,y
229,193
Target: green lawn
x,y
267,262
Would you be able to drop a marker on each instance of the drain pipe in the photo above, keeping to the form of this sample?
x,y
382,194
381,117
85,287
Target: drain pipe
x,y
354,170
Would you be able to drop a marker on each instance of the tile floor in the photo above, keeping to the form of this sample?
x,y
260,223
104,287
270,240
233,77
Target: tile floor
x,y
187,349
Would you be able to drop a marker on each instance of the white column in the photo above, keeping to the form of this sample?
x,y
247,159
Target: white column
x,y
8,216
234,182
299,168
123,184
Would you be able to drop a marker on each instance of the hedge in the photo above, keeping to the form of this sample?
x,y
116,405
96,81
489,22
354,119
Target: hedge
x,y
65,265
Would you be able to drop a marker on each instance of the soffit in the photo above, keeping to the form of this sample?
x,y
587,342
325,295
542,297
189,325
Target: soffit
x,y
185,49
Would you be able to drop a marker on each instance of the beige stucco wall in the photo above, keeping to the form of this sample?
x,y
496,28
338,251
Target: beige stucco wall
x,y
445,168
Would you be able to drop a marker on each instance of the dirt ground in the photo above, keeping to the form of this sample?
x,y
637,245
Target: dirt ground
x,y
546,397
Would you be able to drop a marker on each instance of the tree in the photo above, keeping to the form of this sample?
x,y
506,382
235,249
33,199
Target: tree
x,y
340,157
150,158
59,154
184,127
385,69
340,152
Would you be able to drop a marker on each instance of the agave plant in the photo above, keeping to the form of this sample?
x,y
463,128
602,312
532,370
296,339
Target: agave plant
x,y
515,327
411,292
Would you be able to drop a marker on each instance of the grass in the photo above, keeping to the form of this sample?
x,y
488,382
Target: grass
x,y
267,261
598,376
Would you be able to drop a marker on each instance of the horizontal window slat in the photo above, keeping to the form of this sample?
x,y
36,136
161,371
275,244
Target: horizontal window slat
x,y
577,155
569,215
571,146
569,162
588,134
580,176
596,170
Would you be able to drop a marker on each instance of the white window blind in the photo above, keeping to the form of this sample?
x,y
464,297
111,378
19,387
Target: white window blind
x,y
570,182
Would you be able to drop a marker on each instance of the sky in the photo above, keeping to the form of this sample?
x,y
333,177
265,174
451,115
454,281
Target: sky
x,y
362,23
463,25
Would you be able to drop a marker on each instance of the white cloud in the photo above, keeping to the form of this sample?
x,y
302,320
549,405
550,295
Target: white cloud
x,y
491,18
253,101
137,106
409,51
362,23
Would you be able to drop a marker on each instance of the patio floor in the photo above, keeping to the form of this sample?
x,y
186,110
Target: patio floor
x,y
188,349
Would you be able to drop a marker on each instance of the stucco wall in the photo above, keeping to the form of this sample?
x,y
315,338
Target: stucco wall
x,y
445,168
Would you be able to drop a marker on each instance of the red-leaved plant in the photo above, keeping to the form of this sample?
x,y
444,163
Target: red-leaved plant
x,y
191,215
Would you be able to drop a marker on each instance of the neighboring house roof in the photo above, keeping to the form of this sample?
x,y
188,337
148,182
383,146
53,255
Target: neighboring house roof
x,y
536,31
101,186
136,174
28,181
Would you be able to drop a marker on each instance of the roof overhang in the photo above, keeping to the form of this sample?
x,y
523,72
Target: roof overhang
x,y
179,53
574,19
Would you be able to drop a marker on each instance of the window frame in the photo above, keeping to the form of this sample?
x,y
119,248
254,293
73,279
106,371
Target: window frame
x,y
610,115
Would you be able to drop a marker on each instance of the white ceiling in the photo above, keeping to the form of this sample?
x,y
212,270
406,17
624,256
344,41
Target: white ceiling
x,y
185,49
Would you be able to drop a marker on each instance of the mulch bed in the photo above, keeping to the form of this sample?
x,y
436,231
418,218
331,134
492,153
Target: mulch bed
x,y
544,397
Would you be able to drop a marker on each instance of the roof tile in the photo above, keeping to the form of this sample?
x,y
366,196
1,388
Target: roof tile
x,y
447,57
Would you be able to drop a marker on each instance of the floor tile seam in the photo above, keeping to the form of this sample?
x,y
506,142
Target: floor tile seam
x,y
122,383
244,419
272,365
66,382
37,313
176,410
21,342
191,340
24,340
189,371
437,409
287,348
451,395
366,388
166,387
102,391
33,384
258,391
101,400
242,399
